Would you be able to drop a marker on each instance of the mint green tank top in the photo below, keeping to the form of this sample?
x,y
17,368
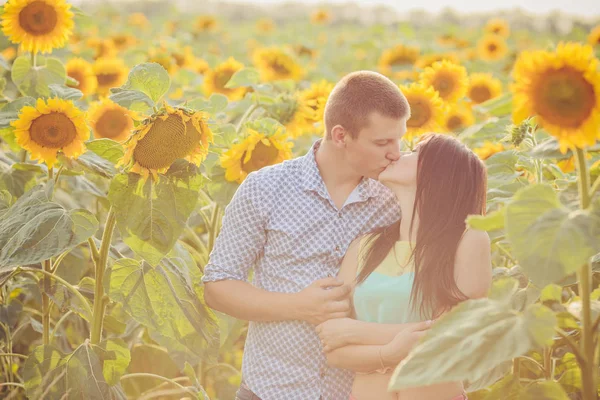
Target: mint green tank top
x,y
384,297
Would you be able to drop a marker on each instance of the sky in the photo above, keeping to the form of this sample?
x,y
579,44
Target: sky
x,y
586,8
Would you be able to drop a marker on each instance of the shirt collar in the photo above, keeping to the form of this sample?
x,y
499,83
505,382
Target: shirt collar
x,y
312,180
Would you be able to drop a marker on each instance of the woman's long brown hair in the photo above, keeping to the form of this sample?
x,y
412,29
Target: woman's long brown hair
x,y
451,184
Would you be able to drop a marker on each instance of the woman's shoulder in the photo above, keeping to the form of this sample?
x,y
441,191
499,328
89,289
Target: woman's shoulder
x,y
473,266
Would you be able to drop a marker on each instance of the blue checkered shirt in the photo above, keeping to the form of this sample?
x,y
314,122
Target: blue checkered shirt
x,y
283,223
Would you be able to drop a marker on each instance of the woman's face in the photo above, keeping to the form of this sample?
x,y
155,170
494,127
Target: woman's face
x,y
402,172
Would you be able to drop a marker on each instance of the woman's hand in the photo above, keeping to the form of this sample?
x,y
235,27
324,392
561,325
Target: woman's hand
x,y
396,350
335,333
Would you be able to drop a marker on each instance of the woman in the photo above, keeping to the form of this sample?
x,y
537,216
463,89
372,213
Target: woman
x,y
408,274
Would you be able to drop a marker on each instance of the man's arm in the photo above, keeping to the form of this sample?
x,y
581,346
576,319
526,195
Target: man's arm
x,y
238,246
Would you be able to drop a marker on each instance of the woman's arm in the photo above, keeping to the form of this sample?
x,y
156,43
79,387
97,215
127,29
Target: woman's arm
x,y
340,332
473,264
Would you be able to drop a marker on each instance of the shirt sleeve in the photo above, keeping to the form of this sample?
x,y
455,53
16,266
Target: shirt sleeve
x,y
242,237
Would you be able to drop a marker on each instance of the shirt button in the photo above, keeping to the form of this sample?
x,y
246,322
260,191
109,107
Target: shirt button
x,y
337,248
340,214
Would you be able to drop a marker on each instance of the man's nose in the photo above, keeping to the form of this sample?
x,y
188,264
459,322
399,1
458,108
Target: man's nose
x,y
394,153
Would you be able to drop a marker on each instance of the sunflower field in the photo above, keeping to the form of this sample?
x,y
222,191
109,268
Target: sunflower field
x,y
125,131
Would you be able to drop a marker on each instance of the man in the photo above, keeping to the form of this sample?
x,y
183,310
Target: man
x,y
292,222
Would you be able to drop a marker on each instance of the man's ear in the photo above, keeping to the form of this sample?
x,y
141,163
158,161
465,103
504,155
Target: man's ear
x,y
339,135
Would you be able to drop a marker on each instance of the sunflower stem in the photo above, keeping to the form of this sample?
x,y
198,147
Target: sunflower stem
x,y
589,367
595,187
245,117
23,155
99,300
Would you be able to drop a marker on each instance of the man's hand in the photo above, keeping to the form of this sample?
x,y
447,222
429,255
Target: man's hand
x,y
335,333
396,350
324,299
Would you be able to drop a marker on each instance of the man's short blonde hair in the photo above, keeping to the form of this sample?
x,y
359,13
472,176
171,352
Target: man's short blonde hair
x,y
357,95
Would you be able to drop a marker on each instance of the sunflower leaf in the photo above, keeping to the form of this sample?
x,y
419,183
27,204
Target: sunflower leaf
x,y
490,222
107,149
133,100
243,77
549,240
49,374
151,215
35,81
10,112
167,300
151,79
65,92
35,229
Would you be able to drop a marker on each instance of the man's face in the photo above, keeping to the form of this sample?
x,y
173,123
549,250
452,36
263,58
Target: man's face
x,y
376,145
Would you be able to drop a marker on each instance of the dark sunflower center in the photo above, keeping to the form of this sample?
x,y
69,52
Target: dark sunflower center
x,y
480,93
112,123
420,113
107,79
455,122
563,97
54,130
222,78
279,68
492,47
38,18
444,84
165,142
179,59
402,59
261,157
102,50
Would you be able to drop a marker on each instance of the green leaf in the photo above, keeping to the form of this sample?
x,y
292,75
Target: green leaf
x,y
267,126
65,92
152,215
115,356
215,104
547,390
548,149
549,240
490,222
551,292
10,112
244,77
35,82
471,340
16,181
151,79
499,106
49,374
164,300
132,99
108,149
35,229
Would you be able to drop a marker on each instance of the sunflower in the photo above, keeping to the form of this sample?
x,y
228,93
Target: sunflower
x,y
483,87
205,23
110,120
50,127
83,72
594,36
449,79
488,149
398,59
313,102
427,60
110,73
199,66
253,153
103,48
303,51
265,25
138,19
184,58
122,41
458,117
492,48
320,17
426,109
38,25
292,112
164,58
166,136
274,64
497,26
216,79
567,165
562,89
